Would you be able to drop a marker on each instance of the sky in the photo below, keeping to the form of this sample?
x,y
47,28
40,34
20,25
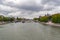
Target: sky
x,y
29,8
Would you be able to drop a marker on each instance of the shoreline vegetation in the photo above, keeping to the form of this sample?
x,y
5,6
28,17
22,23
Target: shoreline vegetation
x,y
5,20
52,20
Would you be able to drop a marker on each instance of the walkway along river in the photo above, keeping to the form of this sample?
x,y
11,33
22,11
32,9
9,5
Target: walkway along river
x,y
28,31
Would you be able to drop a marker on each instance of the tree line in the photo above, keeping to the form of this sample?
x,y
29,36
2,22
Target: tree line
x,y
9,19
55,18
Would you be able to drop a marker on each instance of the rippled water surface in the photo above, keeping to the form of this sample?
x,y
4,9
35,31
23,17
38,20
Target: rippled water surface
x,y
28,31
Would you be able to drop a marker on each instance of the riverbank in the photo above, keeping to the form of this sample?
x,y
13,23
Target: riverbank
x,y
51,24
2,23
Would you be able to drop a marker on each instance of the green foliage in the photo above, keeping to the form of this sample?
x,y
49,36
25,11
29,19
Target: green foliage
x,y
19,19
1,18
44,19
49,18
12,19
6,19
35,19
56,18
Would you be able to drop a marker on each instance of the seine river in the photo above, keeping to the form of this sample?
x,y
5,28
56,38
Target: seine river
x,y
28,31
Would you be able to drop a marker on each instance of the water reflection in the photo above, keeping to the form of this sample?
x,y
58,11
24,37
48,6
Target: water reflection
x,y
29,31
1,27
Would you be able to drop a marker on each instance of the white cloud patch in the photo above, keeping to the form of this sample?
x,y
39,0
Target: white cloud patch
x,y
7,8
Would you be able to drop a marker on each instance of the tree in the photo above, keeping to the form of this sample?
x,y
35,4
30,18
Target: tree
x,y
44,19
56,18
6,19
12,19
35,19
19,19
1,18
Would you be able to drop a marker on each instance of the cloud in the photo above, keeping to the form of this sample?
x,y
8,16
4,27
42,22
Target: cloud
x,y
52,2
25,5
29,8
7,9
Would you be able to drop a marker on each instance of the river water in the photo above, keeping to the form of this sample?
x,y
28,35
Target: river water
x,y
28,31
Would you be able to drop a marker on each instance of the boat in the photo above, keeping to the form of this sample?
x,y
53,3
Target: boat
x,y
23,21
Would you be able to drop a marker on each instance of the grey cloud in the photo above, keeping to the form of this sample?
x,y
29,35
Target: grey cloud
x,y
5,12
25,6
31,8
52,2
1,1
